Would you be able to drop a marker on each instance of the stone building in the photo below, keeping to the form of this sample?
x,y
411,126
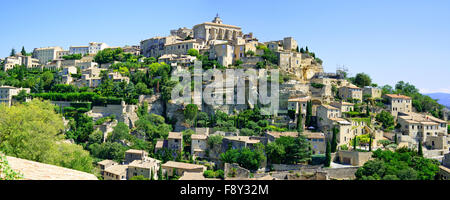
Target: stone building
x,y
144,168
8,92
199,145
430,130
343,106
273,135
92,48
372,91
351,92
46,54
103,165
317,140
135,50
298,105
154,47
398,103
116,172
178,168
27,61
133,154
175,141
216,30
325,113
183,33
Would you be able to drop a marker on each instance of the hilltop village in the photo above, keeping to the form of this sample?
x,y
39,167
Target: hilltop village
x,y
112,106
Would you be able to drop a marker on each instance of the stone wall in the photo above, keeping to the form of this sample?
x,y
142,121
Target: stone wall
x,y
341,173
236,170
354,158
282,167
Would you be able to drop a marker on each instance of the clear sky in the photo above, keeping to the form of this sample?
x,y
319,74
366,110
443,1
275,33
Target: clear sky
x,y
397,40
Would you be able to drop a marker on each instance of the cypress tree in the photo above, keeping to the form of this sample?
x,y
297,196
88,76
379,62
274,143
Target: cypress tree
x,y
370,142
300,123
308,114
334,140
167,176
160,174
328,155
420,152
354,143
367,110
395,139
13,52
302,50
151,175
23,52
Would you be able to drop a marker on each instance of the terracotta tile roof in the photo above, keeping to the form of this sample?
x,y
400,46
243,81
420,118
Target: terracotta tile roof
x,y
312,135
330,107
279,134
397,96
180,165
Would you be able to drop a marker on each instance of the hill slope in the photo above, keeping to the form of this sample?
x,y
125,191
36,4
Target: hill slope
x,y
443,98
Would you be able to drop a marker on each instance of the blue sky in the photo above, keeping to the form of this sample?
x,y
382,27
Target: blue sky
x,y
389,40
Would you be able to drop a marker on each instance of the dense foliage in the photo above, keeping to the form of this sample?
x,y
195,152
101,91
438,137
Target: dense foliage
x,y
403,164
289,150
32,131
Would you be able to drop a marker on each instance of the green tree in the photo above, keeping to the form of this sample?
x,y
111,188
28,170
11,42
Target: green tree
x,y
420,151
119,133
23,52
308,121
299,123
334,140
190,113
33,130
362,80
385,118
13,52
139,178
193,52
328,155
6,173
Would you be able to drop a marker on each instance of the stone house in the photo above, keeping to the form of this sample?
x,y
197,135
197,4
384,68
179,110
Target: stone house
x,y
8,92
133,154
144,167
178,168
354,158
239,142
372,91
317,141
430,130
175,141
116,172
103,165
199,145
398,103
343,106
298,105
273,135
351,92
